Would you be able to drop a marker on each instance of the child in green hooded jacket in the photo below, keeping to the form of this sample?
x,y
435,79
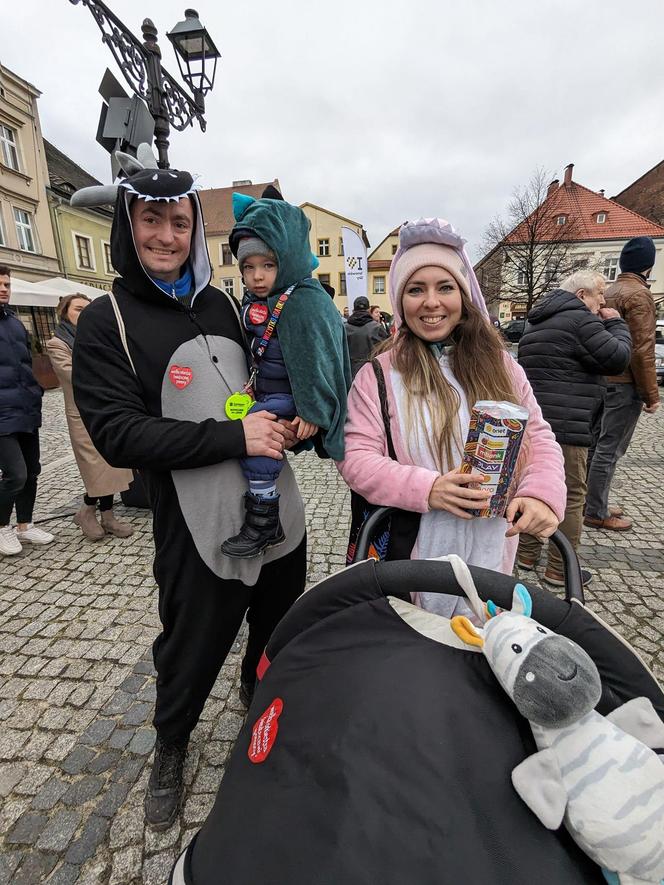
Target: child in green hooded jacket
x,y
300,365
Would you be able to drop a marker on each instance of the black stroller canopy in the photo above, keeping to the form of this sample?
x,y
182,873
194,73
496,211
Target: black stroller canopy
x,y
372,753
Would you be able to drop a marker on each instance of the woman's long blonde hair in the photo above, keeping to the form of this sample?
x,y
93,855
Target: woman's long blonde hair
x,y
478,363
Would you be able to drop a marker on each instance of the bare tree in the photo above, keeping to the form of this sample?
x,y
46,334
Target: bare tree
x,y
529,250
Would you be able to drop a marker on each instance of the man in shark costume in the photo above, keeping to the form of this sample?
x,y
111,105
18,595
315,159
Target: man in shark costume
x,y
154,364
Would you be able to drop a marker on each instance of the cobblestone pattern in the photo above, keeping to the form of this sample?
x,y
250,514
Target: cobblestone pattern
x,y
77,620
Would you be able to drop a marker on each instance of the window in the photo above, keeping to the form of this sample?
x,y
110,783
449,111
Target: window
x,y
228,286
108,265
561,219
323,248
26,237
83,245
601,217
226,254
610,269
521,278
3,239
342,284
324,278
379,285
341,245
9,149
395,246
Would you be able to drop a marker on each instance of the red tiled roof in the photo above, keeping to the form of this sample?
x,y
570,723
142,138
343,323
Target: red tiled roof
x,y
217,205
581,206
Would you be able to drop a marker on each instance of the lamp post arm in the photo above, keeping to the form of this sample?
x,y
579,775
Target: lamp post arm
x,y
141,67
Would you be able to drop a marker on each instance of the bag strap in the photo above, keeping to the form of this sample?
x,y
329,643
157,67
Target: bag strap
x,y
122,330
384,406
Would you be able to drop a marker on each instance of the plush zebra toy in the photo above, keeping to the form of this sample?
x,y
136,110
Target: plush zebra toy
x,y
597,773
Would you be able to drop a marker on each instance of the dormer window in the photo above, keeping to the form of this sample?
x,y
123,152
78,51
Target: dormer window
x,y
561,219
601,217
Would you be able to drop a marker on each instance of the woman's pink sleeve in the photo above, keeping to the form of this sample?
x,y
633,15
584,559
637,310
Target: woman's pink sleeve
x,y
367,468
544,474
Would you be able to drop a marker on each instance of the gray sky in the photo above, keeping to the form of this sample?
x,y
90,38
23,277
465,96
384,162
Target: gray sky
x,y
378,110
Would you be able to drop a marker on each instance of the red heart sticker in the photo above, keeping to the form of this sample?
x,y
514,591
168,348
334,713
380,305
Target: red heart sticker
x,y
258,313
180,376
264,732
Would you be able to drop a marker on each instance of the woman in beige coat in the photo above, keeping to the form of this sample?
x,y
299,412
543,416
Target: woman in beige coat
x,y
101,481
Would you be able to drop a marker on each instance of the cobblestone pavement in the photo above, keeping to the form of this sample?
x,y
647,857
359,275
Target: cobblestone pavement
x,y
77,685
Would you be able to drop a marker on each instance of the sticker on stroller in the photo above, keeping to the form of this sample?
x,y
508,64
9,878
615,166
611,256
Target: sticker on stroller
x,y
264,732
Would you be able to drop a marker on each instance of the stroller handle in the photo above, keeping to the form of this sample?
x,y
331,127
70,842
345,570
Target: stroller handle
x,y
571,567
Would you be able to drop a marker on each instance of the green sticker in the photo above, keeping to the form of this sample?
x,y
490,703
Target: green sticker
x,y
238,406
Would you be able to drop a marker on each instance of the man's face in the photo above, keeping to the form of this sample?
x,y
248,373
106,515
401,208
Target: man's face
x,y
5,288
162,233
593,298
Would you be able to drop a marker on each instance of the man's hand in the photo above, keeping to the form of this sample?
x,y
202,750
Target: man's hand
x,y
304,429
608,313
449,492
536,518
263,435
651,409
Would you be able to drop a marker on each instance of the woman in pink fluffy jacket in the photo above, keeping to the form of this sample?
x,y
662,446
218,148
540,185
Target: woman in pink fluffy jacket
x,y
445,357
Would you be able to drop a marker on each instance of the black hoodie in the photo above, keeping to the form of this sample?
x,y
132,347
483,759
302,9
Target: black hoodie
x,y
565,352
167,419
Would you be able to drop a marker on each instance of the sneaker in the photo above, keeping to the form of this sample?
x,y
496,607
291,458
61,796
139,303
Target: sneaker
x,y
557,579
9,543
526,564
33,535
165,787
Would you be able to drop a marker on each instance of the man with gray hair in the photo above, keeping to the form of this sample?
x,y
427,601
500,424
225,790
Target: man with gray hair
x,y
571,341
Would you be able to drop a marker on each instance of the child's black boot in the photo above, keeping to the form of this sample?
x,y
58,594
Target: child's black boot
x,y
261,528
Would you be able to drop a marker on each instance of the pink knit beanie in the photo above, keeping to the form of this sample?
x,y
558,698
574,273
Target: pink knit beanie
x,y
430,255
432,242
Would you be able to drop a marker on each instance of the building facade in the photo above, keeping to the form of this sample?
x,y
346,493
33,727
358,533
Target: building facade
x,y
82,236
27,244
646,195
379,266
596,229
327,245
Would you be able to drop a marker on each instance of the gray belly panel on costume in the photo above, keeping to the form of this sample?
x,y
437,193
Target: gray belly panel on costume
x,y
211,498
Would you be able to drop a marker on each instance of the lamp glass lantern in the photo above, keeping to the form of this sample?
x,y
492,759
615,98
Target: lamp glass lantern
x,y
195,52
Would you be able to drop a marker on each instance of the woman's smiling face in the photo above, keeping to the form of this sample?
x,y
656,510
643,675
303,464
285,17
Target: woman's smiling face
x,y
432,304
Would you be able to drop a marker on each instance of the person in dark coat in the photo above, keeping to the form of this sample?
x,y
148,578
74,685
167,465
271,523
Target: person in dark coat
x,y
571,340
20,420
363,333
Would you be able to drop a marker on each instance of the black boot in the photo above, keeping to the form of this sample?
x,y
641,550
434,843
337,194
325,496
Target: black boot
x,y
261,528
246,692
164,793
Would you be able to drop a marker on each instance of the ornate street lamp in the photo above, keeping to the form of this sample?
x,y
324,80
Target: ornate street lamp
x,y
141,66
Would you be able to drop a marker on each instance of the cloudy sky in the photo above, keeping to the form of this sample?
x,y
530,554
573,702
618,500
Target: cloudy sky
x,y
378,110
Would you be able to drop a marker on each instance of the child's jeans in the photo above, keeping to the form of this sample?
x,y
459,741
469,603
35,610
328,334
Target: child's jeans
x,y
267,469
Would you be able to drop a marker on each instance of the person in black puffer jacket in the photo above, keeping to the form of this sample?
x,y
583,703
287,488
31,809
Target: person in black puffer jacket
x,y
363,333
571,341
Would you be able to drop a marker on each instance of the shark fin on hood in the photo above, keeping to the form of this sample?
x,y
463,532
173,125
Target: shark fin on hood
x,y
241,203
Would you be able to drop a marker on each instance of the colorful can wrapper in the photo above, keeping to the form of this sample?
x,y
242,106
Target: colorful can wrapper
x,y
492,448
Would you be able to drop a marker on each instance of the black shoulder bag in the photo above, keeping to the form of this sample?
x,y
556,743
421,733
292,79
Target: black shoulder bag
x,y
394,538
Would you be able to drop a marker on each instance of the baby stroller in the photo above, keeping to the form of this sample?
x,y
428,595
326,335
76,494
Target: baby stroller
x,y
375,753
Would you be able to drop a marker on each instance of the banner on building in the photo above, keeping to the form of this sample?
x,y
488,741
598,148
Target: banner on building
x,y
355,261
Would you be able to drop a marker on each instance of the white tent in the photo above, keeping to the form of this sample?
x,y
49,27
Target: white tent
x,y
70,287
25,293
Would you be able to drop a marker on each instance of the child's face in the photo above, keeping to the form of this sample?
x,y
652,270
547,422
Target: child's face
x,y
259,274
